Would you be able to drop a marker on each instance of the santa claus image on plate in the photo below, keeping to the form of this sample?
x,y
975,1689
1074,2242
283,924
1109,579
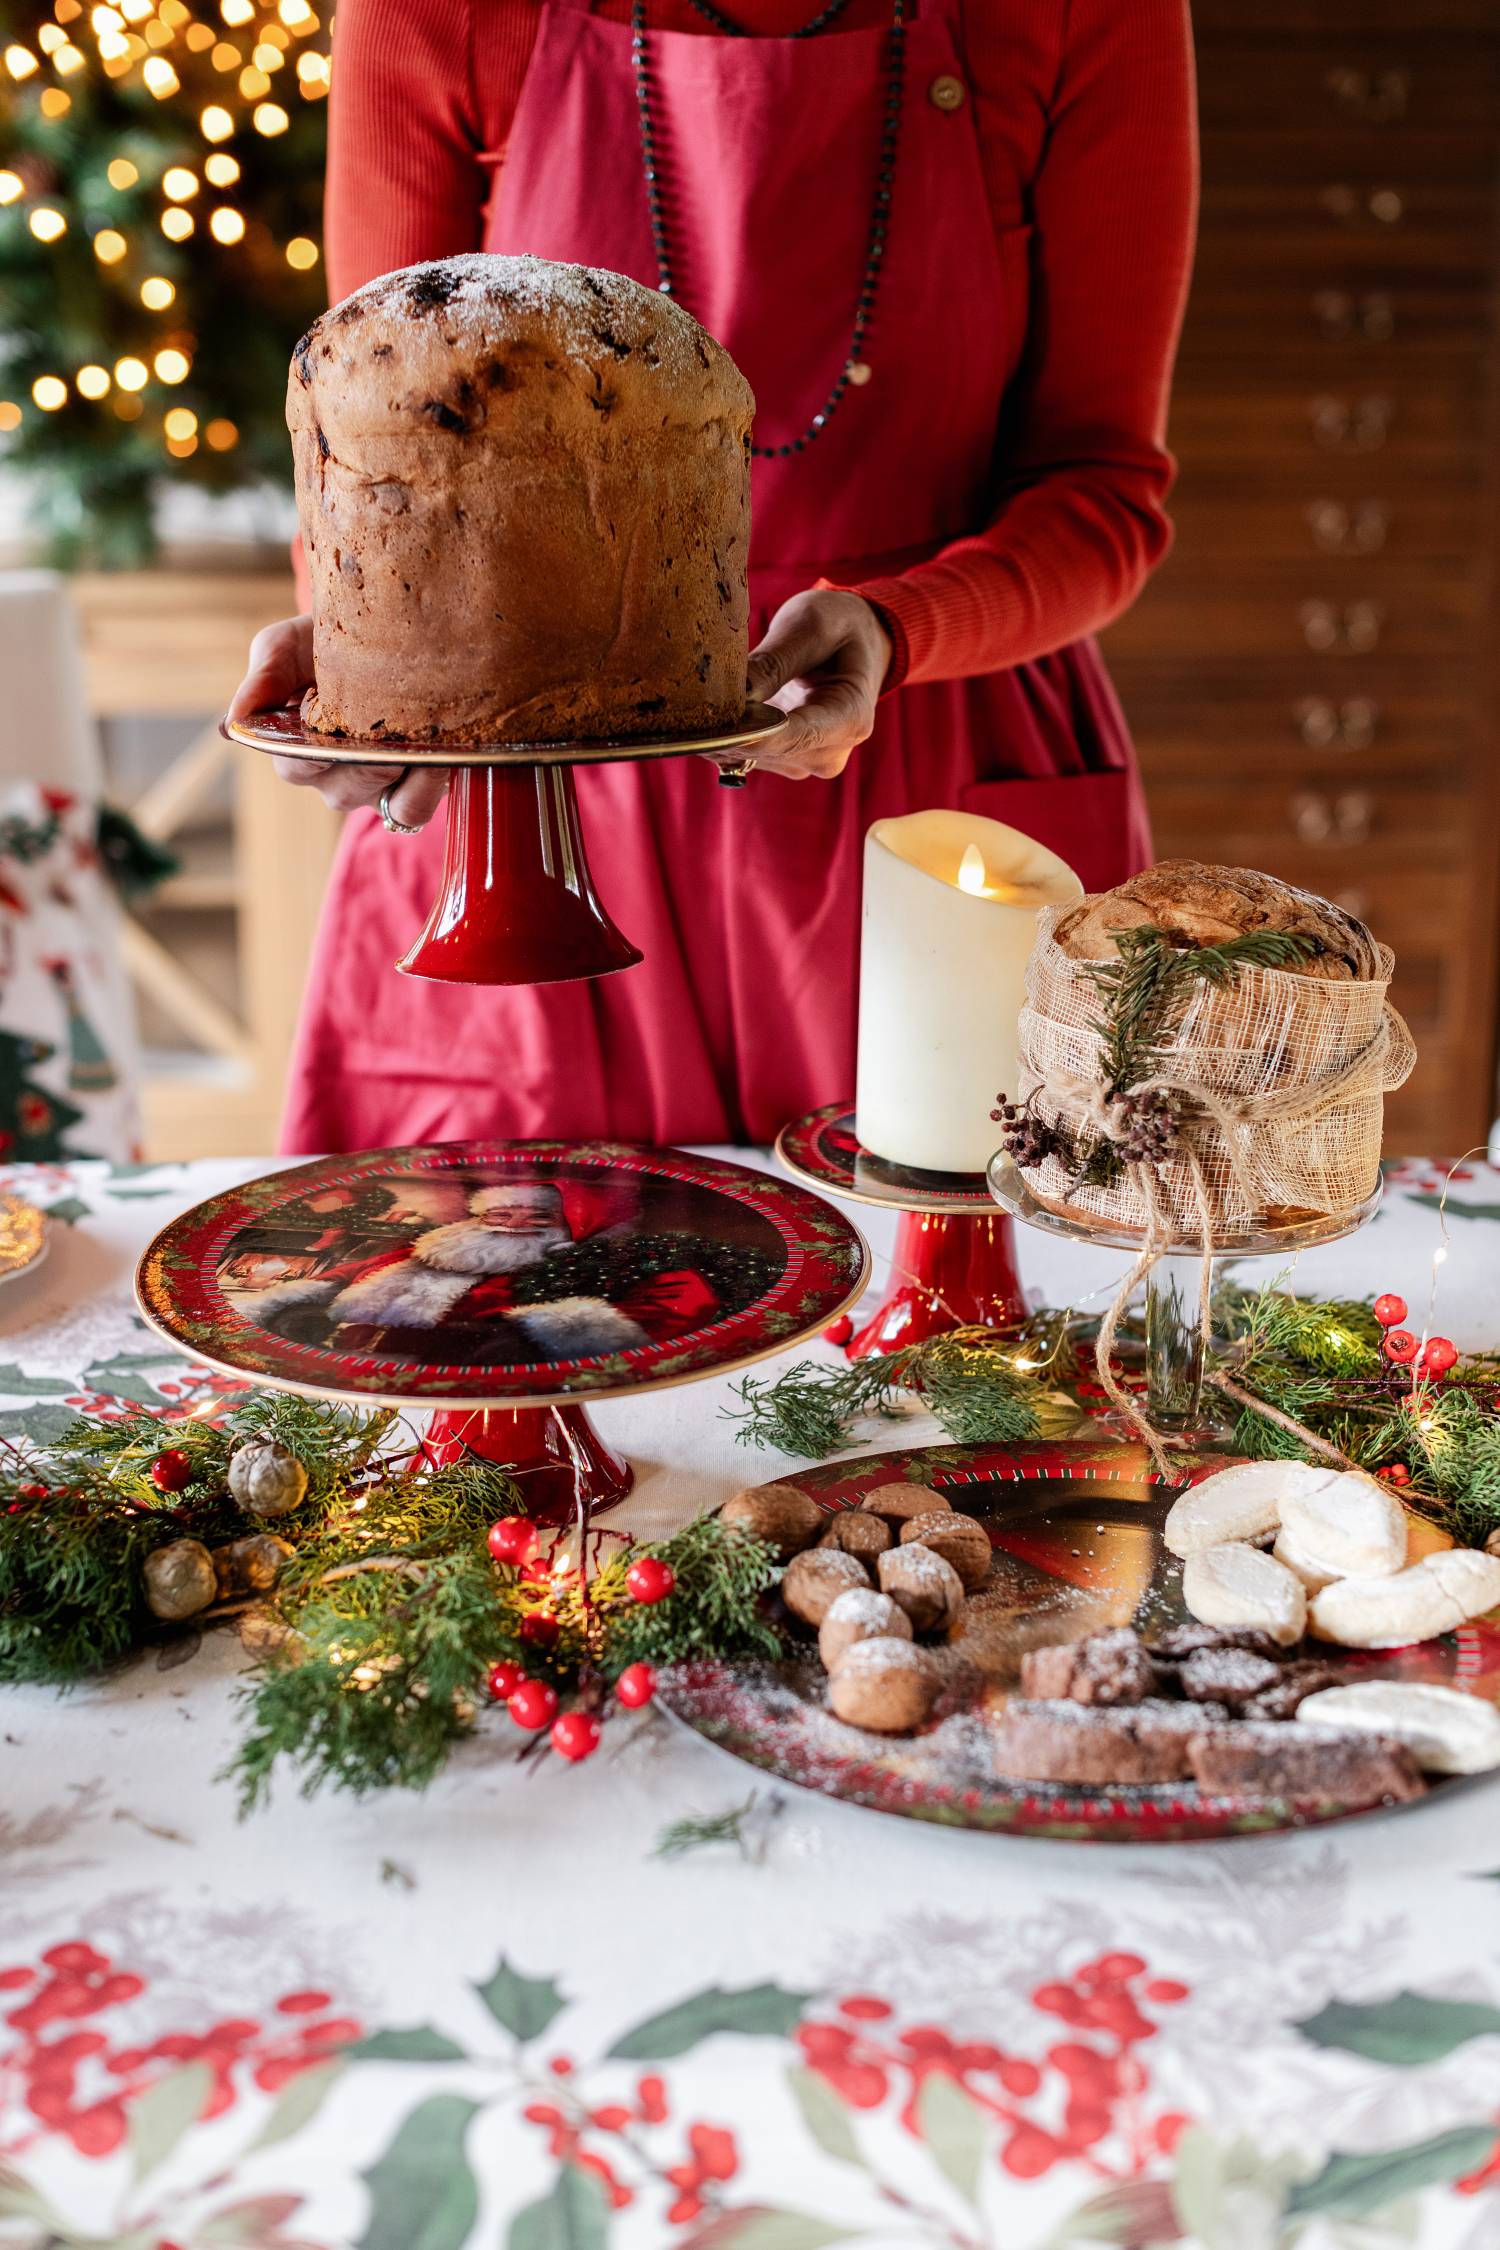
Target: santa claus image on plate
x,y
516,1271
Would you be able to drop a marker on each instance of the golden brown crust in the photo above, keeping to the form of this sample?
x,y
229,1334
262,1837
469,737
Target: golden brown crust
x,y
1195,904
524,497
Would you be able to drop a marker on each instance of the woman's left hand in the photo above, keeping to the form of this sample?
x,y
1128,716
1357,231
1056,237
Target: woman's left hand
x,y
824,661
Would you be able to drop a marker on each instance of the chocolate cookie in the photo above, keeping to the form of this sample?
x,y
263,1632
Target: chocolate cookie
x,y
1078,1742
1299,1761
1109,1667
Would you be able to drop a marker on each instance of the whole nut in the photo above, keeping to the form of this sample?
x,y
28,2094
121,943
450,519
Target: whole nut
x,y
926,1586
814,1581
961,1540
857,1533
266,1478
251,1565
895,1503
859,1615
888,1686
778,1513
179,1579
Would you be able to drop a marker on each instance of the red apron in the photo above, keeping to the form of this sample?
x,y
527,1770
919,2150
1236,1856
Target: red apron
x,y
745,903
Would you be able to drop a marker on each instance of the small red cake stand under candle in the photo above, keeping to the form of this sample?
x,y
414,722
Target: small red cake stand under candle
x,y
954,1265
516,903
501,1284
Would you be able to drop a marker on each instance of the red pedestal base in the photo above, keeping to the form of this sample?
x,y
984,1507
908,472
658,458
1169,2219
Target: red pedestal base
x,y
517,903
945,1273
555,1454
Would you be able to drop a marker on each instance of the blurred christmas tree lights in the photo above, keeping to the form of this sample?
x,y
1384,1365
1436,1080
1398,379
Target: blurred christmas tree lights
x,y
160,210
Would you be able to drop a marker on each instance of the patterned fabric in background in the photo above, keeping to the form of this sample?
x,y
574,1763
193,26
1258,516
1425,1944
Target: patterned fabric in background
x,y
68,1059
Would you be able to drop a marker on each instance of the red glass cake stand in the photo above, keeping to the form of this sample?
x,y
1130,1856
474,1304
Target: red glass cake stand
x,y
954,1264
516,903
502,1284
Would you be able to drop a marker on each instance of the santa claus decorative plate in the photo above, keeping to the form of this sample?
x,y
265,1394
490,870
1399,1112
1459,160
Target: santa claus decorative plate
x,y
1076,1530
492,1272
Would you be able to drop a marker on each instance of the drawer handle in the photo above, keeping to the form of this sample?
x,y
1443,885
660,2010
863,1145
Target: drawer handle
x,y
1326,725
1356,206
1369,313
1351,626
1341,530
1378,97
1357,425
1346,819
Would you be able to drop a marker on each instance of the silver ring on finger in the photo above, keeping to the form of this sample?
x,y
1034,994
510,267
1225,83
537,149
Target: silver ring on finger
x,y
735,776
393,826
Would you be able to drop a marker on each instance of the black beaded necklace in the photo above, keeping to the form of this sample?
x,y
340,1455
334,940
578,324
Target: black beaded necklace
x,y
856,368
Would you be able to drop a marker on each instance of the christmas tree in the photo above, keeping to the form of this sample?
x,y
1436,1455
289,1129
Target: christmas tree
x,y
160,200
32,1121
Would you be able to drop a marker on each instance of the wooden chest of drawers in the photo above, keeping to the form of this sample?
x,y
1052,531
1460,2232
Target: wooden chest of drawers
x,y
1311,677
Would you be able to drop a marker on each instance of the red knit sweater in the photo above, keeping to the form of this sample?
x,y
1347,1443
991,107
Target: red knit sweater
x,y
422,86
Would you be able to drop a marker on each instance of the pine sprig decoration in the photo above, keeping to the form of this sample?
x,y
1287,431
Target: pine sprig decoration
x,y
1152,980
981,1387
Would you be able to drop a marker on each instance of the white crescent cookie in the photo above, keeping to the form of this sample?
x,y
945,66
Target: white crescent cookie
x,y
1238,1585
1445,1731
1436,1595
1289,1550
1348,1526
1244,1502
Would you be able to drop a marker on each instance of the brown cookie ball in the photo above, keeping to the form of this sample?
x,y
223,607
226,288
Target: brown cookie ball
x,y
857,1533
814,1581
859,1615
926,1586
896,1503
778,1513
961,1540
888,1686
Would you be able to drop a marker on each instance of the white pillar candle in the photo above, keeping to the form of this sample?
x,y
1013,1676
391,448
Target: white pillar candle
x,y
950,908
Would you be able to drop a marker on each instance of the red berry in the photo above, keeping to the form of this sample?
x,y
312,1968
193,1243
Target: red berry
x,y
839,1331
575,1735
505,1678
171,1470
650,1579
512,1539
540,1629
533,1706
1438,1355
1396,1472
1390,1311
1401,1346
635,1686
31,1492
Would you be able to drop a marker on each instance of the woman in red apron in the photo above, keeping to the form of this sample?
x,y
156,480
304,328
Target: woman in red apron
x,y
958,231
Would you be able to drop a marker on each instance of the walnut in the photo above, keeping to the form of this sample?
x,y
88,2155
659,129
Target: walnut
x,y
814,1581
927,1587
960,1540
888,1686
857,1533
895,1503
778,1513
266,1478
179,1579
859,1615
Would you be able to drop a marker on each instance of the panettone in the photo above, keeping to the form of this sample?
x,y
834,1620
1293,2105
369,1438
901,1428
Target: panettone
x,y
1194,904
524,497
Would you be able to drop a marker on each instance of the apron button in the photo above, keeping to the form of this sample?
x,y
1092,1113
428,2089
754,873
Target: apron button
x,y
947,92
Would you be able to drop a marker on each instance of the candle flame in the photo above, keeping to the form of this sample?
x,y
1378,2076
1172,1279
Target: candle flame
x,y
973,876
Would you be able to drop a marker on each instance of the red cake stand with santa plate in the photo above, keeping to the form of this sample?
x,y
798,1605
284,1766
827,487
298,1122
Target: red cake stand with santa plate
x,y
501,1285
954,1264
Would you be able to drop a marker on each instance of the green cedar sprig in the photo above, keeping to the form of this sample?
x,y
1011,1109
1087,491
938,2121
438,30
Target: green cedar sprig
x,y
1152,980
983,1388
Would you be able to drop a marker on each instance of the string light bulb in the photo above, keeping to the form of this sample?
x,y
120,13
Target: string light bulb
x,y
253,83
10,414
135,11
270,118
122,173
216,124
159,77
67,11
20,62
173,366
11,186
297,15
105,19
47,224
68,58
132,374
127,406
157,292
50,392
266,57
221,171
237,12
226,225
180,422
92,382
109,246
301,253
178,183
176,224
51,37
199,37
54,102
222,434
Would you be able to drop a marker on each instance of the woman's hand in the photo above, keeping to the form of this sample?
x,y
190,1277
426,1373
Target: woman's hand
x,y
280,669
823,660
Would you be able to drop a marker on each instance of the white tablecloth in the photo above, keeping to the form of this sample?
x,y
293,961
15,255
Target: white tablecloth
x,y
851,2029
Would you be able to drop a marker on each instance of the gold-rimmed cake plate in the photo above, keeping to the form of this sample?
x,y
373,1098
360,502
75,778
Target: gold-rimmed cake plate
x,y
24,1237
284,734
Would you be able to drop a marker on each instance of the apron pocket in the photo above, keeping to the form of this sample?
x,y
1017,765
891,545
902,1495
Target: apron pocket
x,y
1091,820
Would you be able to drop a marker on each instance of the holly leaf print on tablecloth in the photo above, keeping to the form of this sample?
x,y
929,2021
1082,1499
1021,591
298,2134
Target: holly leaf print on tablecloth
x,y
524,2006
41,1425
573,2216
163,2113
760,2009
1408,2029
15,1382
1454,1209
1357,2186
422,2192
419,2042
824,2115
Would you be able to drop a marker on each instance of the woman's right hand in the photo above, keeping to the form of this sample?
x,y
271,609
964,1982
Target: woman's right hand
x,y
280,669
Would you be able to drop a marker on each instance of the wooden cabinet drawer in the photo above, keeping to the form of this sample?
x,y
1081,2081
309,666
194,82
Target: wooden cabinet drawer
x,y
1304,738
1246,613
1387,89
1325,315
1380,225
1419,168
1426,415
1302,510
1337,828
1343,19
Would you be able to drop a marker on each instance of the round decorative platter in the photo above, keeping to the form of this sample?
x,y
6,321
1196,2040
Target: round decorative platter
x,y
24,1237
283,733
824,1150
499,1273
1076,1529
